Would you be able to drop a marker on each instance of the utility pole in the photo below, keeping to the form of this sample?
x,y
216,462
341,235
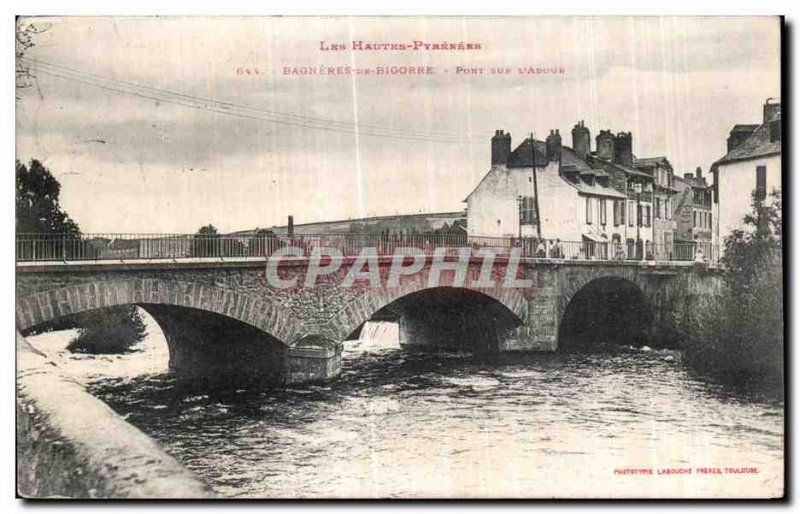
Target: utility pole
x,y
535,191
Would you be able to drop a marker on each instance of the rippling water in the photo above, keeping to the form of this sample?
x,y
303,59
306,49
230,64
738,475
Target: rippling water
x,y
414,425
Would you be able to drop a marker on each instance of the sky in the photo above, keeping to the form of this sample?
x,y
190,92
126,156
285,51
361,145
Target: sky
x,y
153,124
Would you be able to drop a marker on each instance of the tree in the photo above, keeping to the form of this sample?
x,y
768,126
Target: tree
x,y
207,242
263,242
738,334
37,202
109,331
44,229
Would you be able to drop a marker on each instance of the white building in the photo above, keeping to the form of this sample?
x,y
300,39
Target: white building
x,y
578,201
753,163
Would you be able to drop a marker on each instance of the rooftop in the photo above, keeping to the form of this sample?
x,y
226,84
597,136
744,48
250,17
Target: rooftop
x,y
757,145
651,161
697,183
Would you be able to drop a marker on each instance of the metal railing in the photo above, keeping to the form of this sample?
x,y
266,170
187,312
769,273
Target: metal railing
x,y
83,247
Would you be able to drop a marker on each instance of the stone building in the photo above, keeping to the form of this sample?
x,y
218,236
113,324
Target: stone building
x,y
693,215
586,199
752,164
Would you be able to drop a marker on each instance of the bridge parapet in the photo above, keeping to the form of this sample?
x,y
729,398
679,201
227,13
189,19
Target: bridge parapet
x,y
128,247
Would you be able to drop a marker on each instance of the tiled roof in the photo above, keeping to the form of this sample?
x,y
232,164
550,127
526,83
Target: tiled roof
x,y
757,145
693,182
570,158
596,189
605,165
570,161
649,161
521,156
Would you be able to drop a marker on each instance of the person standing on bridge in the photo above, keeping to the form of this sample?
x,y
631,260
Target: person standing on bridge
x,y
555,250
541,251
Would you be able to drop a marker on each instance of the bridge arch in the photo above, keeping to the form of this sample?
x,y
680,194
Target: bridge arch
x,y
611,309
442,316
48,305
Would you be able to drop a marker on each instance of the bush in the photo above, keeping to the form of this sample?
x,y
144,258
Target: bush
x,y
738,334
109,331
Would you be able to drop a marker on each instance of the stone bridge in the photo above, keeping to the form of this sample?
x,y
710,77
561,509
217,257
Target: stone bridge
x,y
229,318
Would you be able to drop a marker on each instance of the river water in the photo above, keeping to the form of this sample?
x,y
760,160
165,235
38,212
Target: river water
x,y
415,425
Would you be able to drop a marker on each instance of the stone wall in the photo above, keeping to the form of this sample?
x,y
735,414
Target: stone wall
x,y
331,310
72,445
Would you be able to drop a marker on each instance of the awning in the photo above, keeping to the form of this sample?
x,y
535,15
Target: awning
x,y
595,237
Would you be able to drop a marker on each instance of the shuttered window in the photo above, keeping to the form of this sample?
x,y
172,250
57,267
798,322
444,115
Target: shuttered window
x,y
588,211
761,182
602,211
528,211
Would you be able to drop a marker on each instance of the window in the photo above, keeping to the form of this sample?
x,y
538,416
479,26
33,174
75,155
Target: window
x,y
647,217
761,182
658,208
588,211
630,214
694,224
527,212
616,213
710,217
603,211
668,208
639,215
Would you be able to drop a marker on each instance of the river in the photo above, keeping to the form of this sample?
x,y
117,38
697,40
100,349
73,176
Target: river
x,y
451,425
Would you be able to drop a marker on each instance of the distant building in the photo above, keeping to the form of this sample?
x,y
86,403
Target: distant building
x,y
664,191
693,214
753,163
584,196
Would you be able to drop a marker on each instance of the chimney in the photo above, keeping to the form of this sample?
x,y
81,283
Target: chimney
x,y
290,226
623,152
772,118
738,134
605,145
775,129
771,109
699,173
581,140
501,148
553,146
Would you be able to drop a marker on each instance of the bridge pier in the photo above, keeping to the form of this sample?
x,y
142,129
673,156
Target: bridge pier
x,y
313,359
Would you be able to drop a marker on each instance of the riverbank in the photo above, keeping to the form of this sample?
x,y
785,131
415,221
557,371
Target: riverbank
x,y
72,445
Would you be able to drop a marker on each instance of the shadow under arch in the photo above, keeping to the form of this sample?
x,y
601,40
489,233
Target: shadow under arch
x,y
213,333
449,318
211,347
48,306
606,310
